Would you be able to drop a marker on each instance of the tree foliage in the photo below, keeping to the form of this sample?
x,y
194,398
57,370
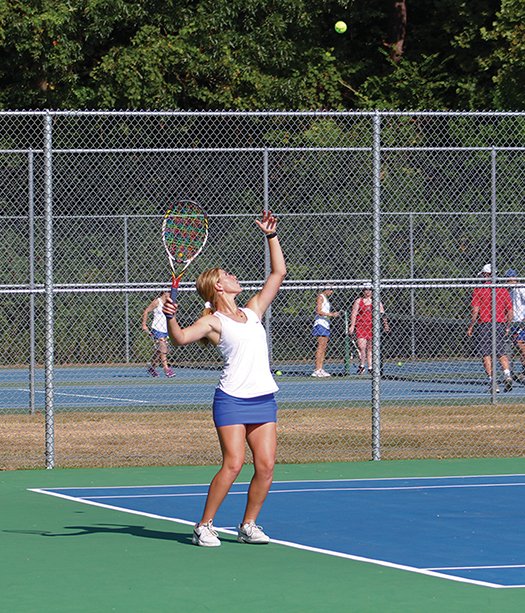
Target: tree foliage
x,y
257,54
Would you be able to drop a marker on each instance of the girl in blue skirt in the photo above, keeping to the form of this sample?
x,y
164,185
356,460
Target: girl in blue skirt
x,y
244,407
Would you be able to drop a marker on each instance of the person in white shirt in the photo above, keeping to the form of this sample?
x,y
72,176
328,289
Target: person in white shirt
x,y
244,407
321,330
517,295
159,334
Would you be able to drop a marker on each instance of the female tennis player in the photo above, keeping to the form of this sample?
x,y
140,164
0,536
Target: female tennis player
x,y
321,330
361,325
159,334
244,407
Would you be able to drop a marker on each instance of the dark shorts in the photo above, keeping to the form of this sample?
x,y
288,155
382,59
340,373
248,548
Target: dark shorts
x,y
319,330
229,410
484,339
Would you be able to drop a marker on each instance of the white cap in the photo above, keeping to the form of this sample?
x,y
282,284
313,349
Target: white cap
x,y
486,270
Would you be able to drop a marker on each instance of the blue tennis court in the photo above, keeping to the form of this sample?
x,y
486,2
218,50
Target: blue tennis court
x,y
466,528
130,387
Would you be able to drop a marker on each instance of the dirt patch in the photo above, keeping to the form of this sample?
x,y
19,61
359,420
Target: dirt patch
x,y
89,439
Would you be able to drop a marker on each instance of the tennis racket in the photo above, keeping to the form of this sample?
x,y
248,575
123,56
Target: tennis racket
x,y
184,234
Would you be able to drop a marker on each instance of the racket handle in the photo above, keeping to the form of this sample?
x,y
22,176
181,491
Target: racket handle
x,y
173,295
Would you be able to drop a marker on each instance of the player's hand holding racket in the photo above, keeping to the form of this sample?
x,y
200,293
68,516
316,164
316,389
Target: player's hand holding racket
x,y
184,234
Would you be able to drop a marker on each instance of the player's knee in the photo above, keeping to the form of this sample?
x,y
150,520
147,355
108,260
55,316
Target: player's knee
x,y
264,469
233,466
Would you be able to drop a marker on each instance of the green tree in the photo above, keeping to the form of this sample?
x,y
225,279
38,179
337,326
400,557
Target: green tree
x,y
507,63
259,54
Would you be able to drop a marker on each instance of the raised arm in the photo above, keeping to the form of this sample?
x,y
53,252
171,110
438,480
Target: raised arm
x,y
262,300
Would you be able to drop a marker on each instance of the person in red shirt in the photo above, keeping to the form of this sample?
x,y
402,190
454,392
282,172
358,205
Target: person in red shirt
x,y
481,314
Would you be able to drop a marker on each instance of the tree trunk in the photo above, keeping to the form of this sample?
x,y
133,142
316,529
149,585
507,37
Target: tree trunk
x,y
398,28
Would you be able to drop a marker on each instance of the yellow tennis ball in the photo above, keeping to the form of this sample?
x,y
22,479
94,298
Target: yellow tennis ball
x,y
400,363
340,27
278,373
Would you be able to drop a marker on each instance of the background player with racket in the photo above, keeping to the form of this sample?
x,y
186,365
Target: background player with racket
x,y
244,407
361,325
159,334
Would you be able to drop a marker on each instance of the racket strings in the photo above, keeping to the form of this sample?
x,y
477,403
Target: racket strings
x,y
185,233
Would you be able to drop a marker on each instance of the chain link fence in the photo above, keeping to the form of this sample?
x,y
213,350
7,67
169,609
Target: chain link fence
x,y
413,203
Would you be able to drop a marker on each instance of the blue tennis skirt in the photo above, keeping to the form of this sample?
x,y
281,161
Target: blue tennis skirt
x,y
319,330
229,410
157,334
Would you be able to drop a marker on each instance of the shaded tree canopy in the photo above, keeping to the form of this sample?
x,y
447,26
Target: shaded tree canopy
x,y
259,54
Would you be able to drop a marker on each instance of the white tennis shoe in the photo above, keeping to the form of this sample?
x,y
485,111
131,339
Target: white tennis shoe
x,y
320,373
252,533
205,535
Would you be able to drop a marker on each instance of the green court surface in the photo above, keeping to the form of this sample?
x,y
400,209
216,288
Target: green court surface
x,y
121,562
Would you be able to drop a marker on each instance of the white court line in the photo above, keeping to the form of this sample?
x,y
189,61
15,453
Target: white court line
x,y
85,396
123,487
320,489
476,567
378,562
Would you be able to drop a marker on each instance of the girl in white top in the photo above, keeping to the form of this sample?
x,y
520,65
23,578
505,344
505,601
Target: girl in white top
x,y
244,408
321,330
159,333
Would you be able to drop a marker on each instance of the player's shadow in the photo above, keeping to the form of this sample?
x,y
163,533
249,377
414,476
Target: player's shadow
x,y
132,530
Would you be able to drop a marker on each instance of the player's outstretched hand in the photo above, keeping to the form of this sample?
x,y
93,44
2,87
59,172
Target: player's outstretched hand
x,y
267,223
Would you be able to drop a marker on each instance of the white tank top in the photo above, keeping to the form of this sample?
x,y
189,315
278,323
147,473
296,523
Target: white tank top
x,y
320,320
159,319
518,303
244,348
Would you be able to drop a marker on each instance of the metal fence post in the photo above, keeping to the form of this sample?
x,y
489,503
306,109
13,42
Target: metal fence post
x,y
268,314
376,281
48,288
493,211
412,292
31,223
126,294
